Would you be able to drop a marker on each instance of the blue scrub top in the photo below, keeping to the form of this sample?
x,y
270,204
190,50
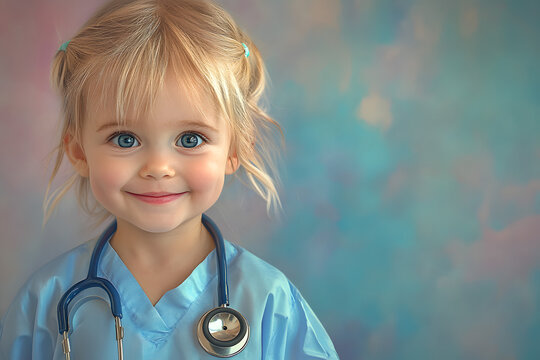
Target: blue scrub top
x,y
282,325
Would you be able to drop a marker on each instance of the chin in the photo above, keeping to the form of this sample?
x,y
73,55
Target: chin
x,y
156,227
159,224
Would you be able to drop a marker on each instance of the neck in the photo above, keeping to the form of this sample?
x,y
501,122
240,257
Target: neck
x,y
188,243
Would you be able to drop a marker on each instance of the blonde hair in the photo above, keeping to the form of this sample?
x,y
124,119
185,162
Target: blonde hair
x,y
124,52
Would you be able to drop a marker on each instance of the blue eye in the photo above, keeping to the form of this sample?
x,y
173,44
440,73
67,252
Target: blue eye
x,y
190,140
125,140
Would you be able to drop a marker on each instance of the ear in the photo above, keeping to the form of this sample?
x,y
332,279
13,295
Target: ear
x,y
75,154
232,164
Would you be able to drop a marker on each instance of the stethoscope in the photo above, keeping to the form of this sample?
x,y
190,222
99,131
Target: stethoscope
x,y
222,331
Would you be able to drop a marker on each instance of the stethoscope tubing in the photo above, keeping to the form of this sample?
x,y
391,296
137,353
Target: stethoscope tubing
x,y
96,254
91,281
223,285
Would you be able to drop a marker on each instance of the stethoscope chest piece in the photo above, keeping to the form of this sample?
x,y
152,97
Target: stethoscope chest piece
x,y
223,332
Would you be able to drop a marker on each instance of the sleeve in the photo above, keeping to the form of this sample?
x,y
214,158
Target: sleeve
x,y
291,330
23,330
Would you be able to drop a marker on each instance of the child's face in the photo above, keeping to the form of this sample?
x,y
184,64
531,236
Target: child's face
x,y
174,150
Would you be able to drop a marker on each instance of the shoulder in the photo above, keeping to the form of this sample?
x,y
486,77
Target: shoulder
x,y
254,270
64,270
257,264
58,274
259,283
31,317
289,327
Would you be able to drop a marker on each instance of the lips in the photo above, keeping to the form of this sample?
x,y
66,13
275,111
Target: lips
x,y
156,197
157,194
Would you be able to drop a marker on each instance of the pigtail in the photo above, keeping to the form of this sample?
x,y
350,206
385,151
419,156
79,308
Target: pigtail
x,y
260,166
256,74
257,83
59,72
58,79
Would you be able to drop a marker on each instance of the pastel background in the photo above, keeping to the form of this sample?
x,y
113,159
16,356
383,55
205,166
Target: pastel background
x,y
411,176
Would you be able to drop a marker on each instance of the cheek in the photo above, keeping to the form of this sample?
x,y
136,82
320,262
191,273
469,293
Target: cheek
x,y
205,175
106,175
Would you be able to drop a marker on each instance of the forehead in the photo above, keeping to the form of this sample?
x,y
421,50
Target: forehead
x,y
174,100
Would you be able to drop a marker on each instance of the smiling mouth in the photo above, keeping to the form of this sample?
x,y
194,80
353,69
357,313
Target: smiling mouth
x,y
156,197
156,194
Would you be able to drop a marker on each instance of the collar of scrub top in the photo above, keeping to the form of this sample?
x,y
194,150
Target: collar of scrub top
x,y
92,280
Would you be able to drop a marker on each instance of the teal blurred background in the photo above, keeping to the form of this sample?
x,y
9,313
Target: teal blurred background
x,y
411,175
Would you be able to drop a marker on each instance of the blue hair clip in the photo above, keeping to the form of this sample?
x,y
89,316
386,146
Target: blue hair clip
x,y
64,46
246,50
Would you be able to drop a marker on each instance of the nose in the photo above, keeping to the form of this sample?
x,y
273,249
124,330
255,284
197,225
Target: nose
x,y
157,166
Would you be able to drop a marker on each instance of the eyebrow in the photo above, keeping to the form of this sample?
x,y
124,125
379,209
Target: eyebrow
x,y
189,123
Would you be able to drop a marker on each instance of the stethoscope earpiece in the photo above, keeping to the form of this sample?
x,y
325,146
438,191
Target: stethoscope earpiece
x,y
223,332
